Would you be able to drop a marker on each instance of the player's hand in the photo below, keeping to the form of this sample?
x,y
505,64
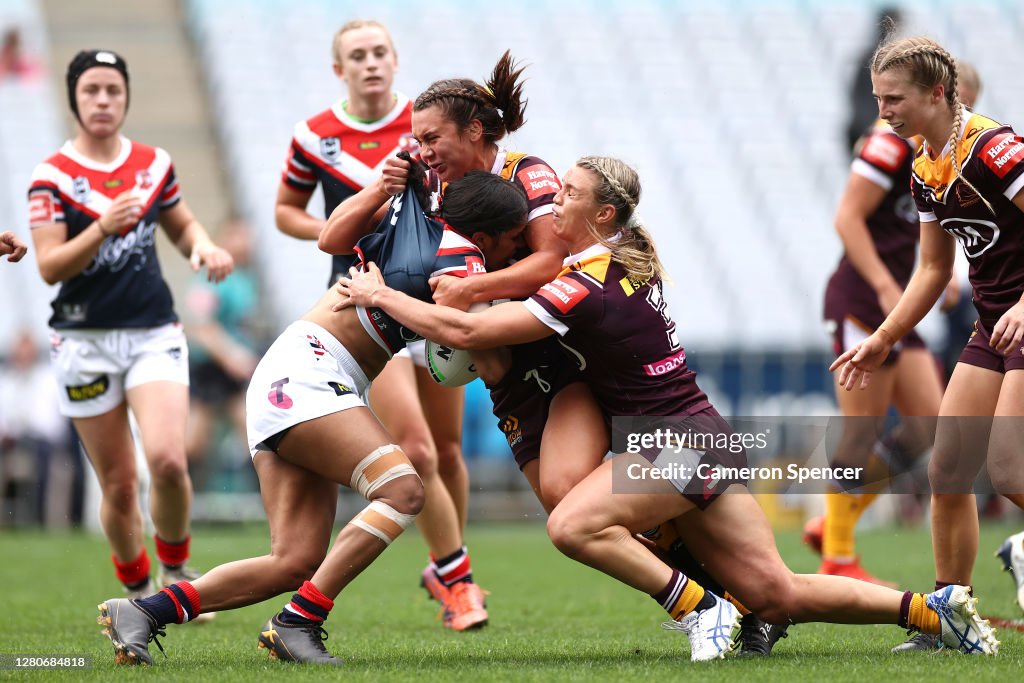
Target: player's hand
x,y
218,262
123,215
394,177
359,287
1009,330
12,246
451,291
856,365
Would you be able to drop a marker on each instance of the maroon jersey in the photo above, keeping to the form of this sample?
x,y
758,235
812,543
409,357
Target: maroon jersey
x,y
621,335
885,159
531,174
992,159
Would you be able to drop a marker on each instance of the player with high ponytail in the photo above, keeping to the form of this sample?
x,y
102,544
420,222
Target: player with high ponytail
x,y
458,124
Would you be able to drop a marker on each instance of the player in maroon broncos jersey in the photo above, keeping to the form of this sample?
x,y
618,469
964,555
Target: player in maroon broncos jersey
x,y
878,223
94,208
458,125
967,183
607,305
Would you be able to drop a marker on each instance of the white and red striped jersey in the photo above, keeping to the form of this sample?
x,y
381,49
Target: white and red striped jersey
x,y
344,154
122,287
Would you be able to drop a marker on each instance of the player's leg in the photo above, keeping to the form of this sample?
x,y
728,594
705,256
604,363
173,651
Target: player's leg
x,y
443,408
574,442
1007,470
300,509
863,414
733,538
378,470
108,445
595,527
156,387
90,372
464,606
961,444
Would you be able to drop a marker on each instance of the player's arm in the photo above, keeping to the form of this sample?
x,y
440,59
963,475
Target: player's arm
x,y
290,214
60,258
192,240
860,199
1008,331
359,214
935,268
501,325
514,282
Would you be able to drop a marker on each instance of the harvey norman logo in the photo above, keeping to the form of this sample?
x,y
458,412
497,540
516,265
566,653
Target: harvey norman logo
x,y
1008,149
563,294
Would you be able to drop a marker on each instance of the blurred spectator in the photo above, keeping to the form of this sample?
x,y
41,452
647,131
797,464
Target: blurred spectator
x,y
863,110
225,333
14,63
33,437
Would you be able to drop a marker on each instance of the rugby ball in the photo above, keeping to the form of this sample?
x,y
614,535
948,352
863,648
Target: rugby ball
x,y
451,367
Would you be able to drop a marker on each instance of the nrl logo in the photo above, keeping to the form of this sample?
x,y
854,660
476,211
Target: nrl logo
x,y
80,189
330,149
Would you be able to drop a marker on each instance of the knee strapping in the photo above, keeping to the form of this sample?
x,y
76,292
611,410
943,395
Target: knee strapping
x,y
383,465
383,521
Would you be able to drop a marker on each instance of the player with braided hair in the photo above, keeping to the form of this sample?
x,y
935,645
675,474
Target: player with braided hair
x,y
458,125
634,364
967,182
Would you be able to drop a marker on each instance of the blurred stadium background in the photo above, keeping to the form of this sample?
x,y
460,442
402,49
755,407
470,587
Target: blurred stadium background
x,y
734,112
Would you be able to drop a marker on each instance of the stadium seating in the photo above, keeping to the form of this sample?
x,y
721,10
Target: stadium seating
x,y
30,130
732,111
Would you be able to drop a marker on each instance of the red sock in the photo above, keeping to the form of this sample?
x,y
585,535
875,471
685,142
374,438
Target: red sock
x,y
308,604
135,572
172,555
454,568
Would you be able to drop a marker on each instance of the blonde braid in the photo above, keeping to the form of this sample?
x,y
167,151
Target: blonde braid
x,y
634,248
904,54
954,135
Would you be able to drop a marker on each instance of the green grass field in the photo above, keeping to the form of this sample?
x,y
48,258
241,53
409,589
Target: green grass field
x,y
550,618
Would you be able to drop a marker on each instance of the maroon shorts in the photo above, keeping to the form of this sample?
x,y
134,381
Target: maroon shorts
x,y
695,484
523,396
979,354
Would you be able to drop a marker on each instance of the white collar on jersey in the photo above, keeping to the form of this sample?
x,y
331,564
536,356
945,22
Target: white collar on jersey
x,y
339,112
68,150
499,161
588,253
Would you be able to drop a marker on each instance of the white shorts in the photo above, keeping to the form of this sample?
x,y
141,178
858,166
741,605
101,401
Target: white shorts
x,y
305,374
416,352
94,368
